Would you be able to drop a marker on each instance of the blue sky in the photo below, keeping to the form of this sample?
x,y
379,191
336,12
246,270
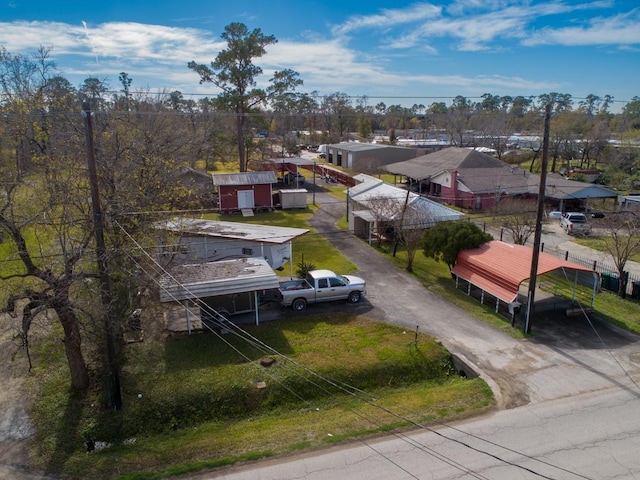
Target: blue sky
x,y
407,53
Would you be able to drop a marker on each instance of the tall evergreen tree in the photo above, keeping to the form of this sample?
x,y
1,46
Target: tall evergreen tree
x,y
234,72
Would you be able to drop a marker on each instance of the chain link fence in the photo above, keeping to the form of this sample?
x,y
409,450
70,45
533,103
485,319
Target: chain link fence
x,y
610,277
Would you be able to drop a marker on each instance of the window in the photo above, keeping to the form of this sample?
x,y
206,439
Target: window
x,y
336,282
323,283
247,251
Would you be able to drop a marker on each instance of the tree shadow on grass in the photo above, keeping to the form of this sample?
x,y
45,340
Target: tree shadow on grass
x,y
68,439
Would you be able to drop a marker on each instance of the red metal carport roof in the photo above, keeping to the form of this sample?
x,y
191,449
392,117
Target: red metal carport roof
x,y
499,268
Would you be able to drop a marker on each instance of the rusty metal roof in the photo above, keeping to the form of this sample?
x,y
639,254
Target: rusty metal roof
x,y
499,268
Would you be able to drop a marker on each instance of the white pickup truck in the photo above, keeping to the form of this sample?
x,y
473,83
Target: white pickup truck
x,y
575,223
321,286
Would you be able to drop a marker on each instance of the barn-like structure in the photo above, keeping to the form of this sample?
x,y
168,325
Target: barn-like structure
x,y
244,192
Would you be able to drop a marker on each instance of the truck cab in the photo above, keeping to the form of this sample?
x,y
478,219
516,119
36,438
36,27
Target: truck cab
x,y
575,223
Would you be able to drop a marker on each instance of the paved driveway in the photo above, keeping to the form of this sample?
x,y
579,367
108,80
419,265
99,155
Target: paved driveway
x,y
567,356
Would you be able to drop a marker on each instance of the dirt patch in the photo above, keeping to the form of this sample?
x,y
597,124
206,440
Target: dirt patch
x,y
15,427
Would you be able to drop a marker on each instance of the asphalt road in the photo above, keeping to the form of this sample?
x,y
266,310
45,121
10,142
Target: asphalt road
x,y
568,395
585,437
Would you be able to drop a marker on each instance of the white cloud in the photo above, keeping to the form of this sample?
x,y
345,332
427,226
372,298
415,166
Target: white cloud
x,y
622,30
389,18
131,41
156,55
485,24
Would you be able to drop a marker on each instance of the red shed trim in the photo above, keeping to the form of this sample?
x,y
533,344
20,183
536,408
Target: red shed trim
x,y
499,268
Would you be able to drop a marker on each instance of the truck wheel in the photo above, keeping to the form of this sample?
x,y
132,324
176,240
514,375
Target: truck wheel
x,y
299,304
354,297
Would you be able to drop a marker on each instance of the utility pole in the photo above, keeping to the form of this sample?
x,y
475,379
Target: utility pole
x,y
114,396
538,232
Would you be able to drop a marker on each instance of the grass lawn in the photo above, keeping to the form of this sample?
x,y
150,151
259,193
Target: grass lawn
x,y
207,401
597,243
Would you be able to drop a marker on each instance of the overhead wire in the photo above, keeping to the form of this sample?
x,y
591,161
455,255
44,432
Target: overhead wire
x,y
267,349
367,398
602,341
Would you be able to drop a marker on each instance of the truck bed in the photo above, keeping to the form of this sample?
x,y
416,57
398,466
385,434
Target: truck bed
x,y
292,285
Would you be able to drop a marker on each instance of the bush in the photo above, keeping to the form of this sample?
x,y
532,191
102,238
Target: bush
x,y
302,268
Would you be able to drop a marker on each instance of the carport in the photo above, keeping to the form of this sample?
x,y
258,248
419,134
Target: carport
x,y
571,195
192,285
499,269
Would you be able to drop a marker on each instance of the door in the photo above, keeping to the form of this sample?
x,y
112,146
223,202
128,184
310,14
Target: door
x,y
331,289
245,199
339,289
322,291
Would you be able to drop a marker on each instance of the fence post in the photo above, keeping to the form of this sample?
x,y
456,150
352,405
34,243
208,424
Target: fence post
x,y
594,264
542,247
566,255
501,232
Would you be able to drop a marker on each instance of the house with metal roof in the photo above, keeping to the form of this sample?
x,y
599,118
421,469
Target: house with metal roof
x,y
213,268
474,180
366,157
192,240
374,204
245,192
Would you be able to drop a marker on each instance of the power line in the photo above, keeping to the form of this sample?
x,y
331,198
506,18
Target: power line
x,y
366,398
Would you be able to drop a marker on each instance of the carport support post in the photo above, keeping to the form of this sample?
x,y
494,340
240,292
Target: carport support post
x,y
291,260
538,233
255,302
186,308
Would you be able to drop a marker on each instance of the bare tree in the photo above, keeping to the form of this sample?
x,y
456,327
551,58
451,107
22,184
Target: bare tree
x,y
410,227
621,241
518,217
44,213
384,210
50,234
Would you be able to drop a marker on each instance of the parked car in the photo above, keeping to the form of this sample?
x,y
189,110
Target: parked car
x,y
575,223
555,215
321,286
597,215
